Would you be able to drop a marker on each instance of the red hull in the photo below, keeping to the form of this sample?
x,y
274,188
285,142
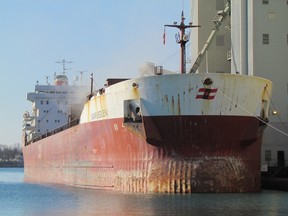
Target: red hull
x,y
164,154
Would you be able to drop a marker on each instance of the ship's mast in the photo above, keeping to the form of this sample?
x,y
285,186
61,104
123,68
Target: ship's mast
x,y
182,39
64,62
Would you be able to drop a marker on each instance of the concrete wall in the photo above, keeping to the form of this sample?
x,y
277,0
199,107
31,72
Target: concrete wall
x,y
217,54
271,62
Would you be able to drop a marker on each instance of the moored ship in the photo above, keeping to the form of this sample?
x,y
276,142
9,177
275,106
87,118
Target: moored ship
x,y
187,132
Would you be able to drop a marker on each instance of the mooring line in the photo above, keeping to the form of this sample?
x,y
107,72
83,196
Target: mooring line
x,y
266,123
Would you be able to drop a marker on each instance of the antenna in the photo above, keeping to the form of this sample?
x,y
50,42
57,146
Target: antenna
x,y
182,39
47,80
64,62
91,83
81,75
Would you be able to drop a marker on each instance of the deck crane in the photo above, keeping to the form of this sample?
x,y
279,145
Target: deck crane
x,y
222,14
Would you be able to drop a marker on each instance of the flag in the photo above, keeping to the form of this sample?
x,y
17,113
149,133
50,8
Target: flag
x,y
205,93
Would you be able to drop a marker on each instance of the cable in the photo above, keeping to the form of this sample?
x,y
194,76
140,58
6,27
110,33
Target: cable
x,y
286,134
170,56
277,114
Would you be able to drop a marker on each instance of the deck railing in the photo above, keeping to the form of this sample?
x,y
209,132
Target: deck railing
x,y
55,131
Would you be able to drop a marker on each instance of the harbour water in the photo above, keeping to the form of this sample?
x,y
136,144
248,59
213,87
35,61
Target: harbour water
x,y
24,199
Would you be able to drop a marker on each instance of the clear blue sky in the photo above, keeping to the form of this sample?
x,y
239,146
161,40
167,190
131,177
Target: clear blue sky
x,y
110,38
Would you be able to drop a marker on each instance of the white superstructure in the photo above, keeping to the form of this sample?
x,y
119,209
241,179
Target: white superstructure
x,y
53,106
256,45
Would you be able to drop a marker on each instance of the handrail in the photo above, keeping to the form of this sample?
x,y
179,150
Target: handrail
x,y
55,131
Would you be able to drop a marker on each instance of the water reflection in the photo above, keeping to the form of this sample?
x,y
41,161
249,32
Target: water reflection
x,y
91,202
22,199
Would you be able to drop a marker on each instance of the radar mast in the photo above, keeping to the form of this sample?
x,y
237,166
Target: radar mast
x,y
64,62
182,39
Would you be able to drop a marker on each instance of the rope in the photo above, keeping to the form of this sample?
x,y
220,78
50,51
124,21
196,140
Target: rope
x,y
168,57
277,114
266,123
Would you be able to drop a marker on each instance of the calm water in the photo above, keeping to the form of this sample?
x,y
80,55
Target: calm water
x,y
20,198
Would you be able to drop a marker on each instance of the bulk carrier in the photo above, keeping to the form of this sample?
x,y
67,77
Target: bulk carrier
x,y
186,132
